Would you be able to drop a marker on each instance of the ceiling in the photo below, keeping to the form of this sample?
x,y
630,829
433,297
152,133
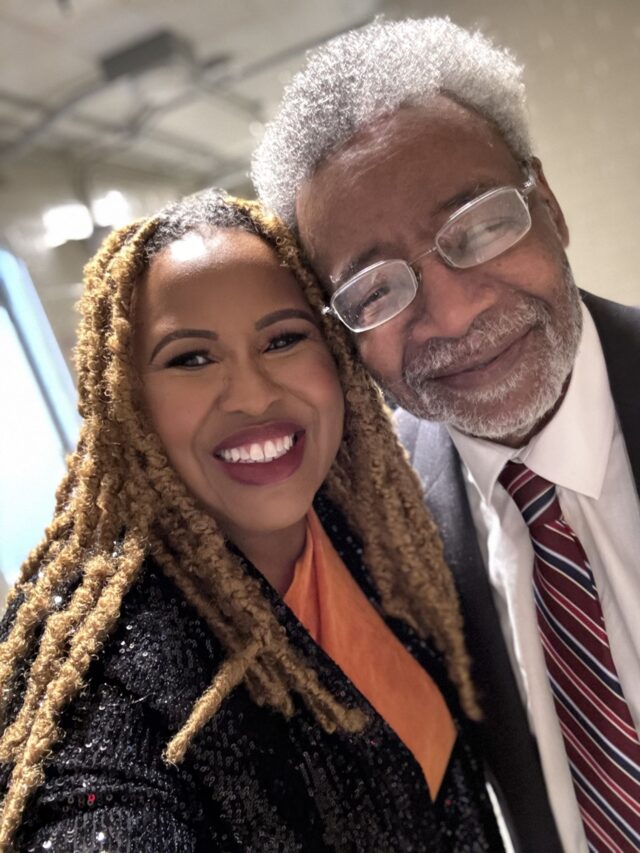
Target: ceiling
x,y
74,78
156,98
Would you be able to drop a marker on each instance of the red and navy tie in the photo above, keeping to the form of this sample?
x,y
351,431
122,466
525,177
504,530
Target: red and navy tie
x,y
599,735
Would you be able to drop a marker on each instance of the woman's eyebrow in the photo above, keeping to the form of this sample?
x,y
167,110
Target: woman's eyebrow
x,y
283,314
182,333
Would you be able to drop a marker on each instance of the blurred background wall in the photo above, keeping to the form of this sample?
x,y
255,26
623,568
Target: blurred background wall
x,y
116,106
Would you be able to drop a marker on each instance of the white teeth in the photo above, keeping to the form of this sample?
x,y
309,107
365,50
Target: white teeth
x,y
256,452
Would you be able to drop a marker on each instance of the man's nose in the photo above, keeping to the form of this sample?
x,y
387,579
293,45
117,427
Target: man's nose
x,y
248,388
448,299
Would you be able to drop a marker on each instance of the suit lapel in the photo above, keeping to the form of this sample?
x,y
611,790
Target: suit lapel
x,y
509,748
436,460
619,332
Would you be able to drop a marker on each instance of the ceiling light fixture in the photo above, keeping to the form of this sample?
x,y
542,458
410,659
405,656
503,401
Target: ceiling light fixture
x,y
111,210
66,222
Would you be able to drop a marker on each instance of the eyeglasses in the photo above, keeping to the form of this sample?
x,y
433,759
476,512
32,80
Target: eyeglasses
x,y
478,231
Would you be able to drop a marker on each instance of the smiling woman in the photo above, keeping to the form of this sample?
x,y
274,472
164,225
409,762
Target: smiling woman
x,y
238,633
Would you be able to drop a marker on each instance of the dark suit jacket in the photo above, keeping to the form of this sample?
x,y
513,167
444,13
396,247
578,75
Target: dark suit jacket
x,y
510,749
251,780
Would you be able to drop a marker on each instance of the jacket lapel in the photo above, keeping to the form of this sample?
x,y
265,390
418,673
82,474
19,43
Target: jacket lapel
x,y
619,332
507,743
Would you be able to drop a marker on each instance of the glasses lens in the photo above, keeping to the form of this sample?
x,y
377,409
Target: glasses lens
x,y
375,295
484,228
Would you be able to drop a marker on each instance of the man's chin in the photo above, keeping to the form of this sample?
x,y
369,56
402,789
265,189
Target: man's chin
x,y
516,395
509,413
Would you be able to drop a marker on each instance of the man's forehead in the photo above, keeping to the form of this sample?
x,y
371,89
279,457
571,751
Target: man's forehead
x,y
417,155
439,118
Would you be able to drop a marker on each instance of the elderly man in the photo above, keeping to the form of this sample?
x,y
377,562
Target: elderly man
x,y
401,157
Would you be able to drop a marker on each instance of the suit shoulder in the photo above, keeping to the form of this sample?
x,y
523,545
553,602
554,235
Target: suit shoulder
x,y
613,317
408,428
428,443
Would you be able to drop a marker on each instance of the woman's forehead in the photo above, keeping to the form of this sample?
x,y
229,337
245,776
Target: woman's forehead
x,y
213,244
206,252
200,269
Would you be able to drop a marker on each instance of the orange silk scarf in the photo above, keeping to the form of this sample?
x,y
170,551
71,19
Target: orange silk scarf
x,y
341,620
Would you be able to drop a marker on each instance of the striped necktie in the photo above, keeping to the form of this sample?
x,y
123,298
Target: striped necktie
x,y
600,738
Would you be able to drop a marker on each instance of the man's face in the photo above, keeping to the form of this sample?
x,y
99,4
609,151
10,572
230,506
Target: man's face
x,y
487,349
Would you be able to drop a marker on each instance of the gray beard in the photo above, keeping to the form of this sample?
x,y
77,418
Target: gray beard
x,y
478,412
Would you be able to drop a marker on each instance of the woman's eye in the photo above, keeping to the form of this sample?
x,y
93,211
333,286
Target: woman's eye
x,y
286,340
190,359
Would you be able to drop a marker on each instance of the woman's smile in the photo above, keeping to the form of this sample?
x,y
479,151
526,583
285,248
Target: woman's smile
x,y
261,443
263,455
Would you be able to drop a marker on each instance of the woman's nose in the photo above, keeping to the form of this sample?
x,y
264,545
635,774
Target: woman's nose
x,y
248,388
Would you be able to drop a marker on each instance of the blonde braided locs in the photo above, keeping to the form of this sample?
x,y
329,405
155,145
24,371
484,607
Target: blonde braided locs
x,y
121,502
74,566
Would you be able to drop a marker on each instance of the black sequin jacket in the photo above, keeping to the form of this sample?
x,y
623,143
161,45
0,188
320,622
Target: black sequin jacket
x,y
251,780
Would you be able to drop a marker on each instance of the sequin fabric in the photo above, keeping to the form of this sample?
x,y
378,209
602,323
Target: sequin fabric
x,y
251,780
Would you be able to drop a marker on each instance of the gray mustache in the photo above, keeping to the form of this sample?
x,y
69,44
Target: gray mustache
x,y
488,330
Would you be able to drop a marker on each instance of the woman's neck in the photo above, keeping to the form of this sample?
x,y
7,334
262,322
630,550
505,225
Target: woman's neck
x,y
274,554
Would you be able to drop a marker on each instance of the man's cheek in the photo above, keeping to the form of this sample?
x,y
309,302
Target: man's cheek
x,y
381,355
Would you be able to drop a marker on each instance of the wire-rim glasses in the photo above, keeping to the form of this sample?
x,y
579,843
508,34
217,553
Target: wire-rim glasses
x,y
482,229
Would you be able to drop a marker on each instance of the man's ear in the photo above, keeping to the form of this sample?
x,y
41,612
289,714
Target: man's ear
x,y
550,201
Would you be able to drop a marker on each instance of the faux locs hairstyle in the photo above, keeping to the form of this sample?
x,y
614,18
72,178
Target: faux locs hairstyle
x,y
121,504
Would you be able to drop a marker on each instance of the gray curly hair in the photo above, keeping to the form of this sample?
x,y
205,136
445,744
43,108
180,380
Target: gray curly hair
x,y
366,73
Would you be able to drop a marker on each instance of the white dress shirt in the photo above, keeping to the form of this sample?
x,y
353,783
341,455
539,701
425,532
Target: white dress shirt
x,y
582,451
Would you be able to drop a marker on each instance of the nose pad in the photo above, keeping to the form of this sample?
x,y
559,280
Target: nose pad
x,y
248,390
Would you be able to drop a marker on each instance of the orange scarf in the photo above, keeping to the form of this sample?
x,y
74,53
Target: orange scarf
x,y
339,617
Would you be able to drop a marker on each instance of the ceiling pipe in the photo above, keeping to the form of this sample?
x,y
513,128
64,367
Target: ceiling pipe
x,y
223,77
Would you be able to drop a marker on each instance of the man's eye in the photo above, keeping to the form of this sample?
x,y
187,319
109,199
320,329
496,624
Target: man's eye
x,y
285,340
190,359
375,295
477,235
367,306
486,231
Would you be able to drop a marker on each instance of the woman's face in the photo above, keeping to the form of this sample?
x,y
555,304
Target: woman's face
x,y
237,380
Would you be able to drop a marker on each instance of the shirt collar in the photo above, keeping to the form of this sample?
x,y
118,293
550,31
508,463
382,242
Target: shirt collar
x,y
584,423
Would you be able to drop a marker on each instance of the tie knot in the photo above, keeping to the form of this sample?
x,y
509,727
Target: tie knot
x,y
534,496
